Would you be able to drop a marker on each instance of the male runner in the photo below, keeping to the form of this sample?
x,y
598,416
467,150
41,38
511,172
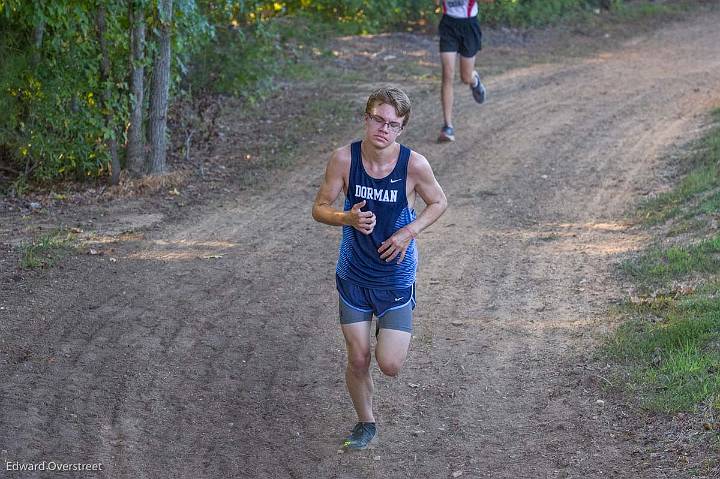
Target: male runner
x,y
459,31
376,266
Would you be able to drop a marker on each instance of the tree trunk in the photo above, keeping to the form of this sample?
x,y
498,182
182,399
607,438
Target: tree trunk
x,y
160,91
136,146
105,75
38,33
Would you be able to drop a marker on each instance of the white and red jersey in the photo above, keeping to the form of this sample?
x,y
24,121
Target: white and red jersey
x,y
460,8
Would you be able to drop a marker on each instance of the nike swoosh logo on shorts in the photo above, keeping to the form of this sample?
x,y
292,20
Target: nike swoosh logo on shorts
x,y
399,299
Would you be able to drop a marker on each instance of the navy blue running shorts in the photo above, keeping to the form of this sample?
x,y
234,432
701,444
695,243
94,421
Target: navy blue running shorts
x,y
461,35
392,307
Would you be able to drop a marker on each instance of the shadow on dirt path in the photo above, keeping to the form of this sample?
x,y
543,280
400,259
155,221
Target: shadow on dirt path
x,y
210,348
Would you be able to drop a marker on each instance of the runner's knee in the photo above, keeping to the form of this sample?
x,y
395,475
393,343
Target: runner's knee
x,y
359,362
389,367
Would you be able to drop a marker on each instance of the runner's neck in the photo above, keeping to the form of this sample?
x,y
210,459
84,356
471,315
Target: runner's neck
x,y
379,156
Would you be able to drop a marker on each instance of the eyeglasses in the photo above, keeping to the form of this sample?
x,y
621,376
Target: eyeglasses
x,y
380,122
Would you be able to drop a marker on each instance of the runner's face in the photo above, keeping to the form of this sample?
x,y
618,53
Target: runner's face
x,y
381,123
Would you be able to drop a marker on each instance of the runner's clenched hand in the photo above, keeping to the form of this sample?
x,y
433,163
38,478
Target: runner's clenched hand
x,y
363,221
396,245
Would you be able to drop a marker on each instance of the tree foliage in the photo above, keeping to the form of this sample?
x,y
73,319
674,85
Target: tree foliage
x,y
50,89
54,124
62,110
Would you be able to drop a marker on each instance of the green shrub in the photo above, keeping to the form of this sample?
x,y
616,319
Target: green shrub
x,y
54,123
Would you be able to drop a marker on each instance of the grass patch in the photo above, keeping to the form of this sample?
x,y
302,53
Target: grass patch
x,y
634,11
685,226
698,191
46,250
672,352
660,266
681,200
669,349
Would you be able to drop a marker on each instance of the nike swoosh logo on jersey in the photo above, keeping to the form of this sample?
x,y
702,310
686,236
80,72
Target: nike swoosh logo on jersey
x,y
395,181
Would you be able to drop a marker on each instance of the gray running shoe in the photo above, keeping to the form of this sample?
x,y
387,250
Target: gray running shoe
x,y
446,134
362,435
478,90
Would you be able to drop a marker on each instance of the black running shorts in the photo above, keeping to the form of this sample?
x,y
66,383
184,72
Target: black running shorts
x,y
461,35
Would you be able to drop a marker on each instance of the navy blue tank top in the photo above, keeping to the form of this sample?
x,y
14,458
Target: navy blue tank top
x,y
359,261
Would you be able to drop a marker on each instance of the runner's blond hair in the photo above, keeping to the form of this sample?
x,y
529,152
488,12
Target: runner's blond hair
x,y
393,97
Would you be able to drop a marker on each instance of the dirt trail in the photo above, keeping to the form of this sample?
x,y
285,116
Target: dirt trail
x,y
233,366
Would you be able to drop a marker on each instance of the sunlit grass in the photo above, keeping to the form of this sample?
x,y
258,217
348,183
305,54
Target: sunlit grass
x,y
669,349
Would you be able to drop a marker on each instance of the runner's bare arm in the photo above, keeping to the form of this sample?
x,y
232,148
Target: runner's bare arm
x,y
331,187
429,189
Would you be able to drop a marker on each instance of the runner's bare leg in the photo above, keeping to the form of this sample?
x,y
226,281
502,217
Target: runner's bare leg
x,y
391,350
446,89
357,374
467,70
